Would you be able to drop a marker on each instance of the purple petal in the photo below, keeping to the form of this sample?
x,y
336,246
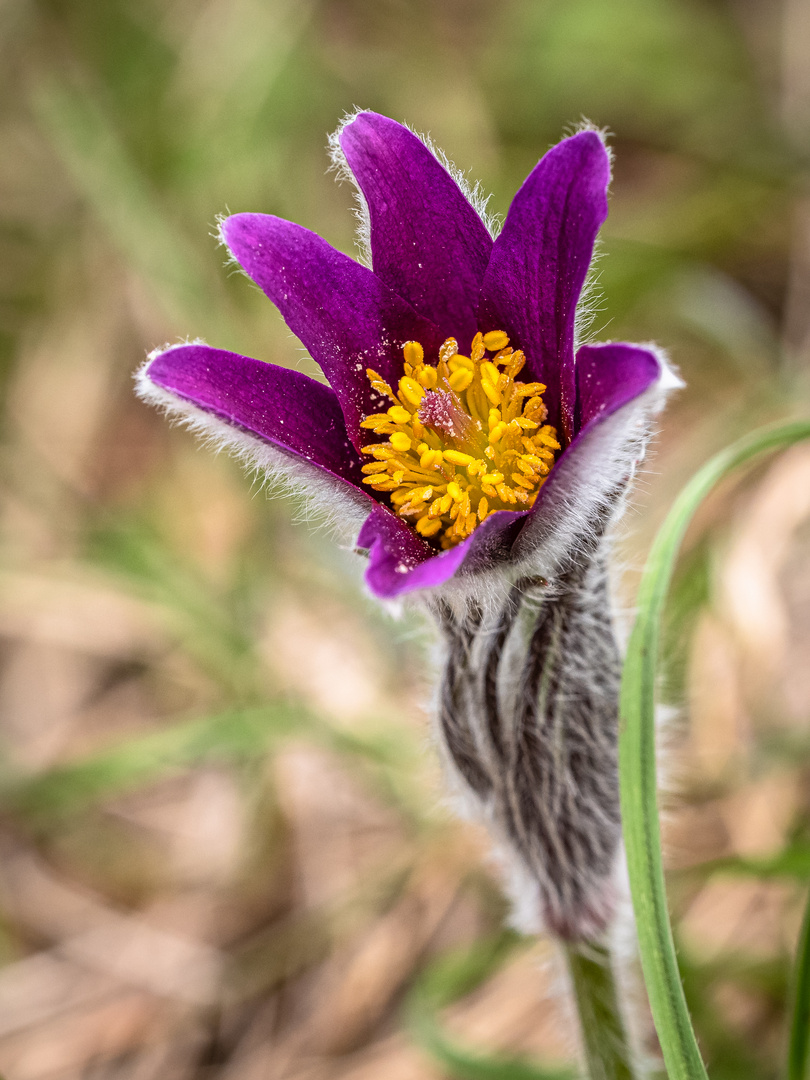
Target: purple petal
x,y
396,551
609,376
613,409
345,316
427,242
400,561
293,412
540,261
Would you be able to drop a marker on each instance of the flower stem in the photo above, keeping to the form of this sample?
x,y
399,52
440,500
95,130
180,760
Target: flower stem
x,y
607,1052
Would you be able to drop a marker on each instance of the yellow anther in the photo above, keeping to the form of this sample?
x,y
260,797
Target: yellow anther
x,y
470,523
399,414
522,481
492,478
483,508
430,459
413,352
489,371
530,389
375,466
455,457
422,494
461,379
427,376
495,340
400,441
505,493
428,526
381,482
411,390
491,391
530,459
546,437
459,361
381,453
454,491
526,423
497,432
401,496
435,509
379,383
514,364
477,350
374,421
493,418
535,409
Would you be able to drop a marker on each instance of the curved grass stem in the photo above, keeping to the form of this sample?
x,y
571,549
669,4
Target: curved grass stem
x,y
637,764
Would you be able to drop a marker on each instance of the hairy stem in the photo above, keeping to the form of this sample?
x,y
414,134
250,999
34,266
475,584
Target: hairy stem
x,y
604,1039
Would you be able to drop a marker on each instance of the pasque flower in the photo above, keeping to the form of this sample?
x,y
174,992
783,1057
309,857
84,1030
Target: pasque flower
x,y
477,452
462,422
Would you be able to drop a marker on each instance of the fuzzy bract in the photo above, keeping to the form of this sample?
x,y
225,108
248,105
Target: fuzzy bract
x,y
436,520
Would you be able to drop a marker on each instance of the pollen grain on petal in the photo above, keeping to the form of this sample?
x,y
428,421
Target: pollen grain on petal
x,y
464,438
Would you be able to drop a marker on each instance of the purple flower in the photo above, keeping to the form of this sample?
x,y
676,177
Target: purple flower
x,y
463,430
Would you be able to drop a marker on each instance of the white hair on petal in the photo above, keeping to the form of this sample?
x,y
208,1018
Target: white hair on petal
x,y
472,190
326,503
340,166
590,301
584,124
231,262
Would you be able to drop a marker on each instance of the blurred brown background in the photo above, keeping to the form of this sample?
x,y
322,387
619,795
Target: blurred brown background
x,y
225,852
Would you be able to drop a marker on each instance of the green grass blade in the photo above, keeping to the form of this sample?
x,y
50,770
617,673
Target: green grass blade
x,y
637,757
448,978
465,1065
233,737
229,736
800,1022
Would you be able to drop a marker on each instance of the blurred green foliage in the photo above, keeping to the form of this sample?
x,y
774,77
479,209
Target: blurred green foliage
x,y
128,126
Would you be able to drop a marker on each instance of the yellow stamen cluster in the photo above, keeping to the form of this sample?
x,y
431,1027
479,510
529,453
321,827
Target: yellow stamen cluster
x,y
465,438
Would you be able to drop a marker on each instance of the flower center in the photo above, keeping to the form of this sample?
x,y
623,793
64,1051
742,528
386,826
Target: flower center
x,y
465,438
